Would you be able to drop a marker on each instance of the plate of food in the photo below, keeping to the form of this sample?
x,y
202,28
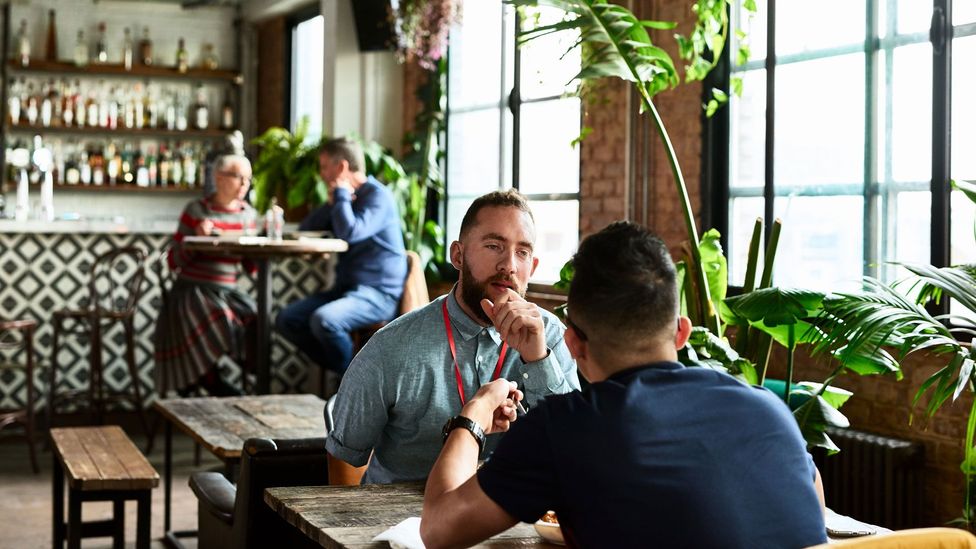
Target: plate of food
x,y
548,528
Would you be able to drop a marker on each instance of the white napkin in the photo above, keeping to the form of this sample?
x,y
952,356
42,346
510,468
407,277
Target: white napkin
x,y
405,535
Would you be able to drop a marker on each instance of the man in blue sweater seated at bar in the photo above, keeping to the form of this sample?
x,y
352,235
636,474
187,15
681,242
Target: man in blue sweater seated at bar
x,y
651,454
369,276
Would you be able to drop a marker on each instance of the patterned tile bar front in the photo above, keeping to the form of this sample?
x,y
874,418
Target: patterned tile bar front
x,y
41,273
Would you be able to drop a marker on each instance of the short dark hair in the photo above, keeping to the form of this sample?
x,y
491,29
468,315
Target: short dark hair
x,y
342,148
624,286
508,198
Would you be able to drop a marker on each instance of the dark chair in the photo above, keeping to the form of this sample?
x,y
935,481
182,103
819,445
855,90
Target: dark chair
x,y
114,289
238,517
16,335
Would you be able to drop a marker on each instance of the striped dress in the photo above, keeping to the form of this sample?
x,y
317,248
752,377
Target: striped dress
x,y
205,315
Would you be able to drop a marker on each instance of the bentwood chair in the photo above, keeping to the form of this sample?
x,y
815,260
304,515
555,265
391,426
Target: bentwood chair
x,y
237,517
913,538
114,289
17,335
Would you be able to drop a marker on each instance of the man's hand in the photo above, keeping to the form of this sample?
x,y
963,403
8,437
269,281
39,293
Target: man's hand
x,y
205,227
342,182
493,406
519,323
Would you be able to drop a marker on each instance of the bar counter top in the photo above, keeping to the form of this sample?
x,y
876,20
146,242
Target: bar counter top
x,y
36,226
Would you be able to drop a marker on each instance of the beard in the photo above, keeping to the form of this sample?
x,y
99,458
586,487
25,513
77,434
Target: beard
x,y
473,291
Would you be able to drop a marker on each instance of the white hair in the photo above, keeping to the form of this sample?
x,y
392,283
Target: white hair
x,y
223,161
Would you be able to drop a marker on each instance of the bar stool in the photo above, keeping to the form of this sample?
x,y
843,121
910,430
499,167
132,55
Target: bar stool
x,y
114,290
15,335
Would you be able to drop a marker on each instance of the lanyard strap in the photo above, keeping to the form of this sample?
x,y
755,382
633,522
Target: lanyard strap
x,y
457,369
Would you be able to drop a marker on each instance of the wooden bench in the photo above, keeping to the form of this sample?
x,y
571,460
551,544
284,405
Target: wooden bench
x,y
101,464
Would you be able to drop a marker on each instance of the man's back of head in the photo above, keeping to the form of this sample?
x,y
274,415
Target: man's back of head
x,y
343,148
623,300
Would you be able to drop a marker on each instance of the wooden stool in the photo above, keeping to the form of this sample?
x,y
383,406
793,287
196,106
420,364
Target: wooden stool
x,y
10,341
102,464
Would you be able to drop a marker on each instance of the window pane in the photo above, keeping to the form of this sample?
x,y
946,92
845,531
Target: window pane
x,y
910,225
820,247
308,39
963,237
749,131
475,60
755,29
557,230
819,127
472,157
546,71
963,11
548,162
833,23
911,138
742,217
963,108
913,16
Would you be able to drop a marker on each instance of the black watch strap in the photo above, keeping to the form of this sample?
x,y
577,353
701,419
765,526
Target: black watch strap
x,y
461,422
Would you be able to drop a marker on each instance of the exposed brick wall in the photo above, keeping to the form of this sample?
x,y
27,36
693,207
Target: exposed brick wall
x,y
604,157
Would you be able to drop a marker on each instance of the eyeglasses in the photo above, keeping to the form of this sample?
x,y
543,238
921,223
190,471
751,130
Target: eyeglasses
x,y
246,180
579,333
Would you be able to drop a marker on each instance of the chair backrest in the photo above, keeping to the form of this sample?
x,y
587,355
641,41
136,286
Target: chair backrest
x,y
267,463
914,538
116,281
415,293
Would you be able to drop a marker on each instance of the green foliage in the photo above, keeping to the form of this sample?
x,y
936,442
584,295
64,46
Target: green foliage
x,y
287,165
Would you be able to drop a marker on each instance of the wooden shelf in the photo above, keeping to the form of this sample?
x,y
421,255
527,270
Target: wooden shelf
x,y
117,70
128,188
148,133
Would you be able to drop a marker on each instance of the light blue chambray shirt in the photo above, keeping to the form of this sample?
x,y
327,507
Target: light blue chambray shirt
x,y
401,388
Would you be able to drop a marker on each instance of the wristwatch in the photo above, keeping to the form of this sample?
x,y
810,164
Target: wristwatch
x,y
462,422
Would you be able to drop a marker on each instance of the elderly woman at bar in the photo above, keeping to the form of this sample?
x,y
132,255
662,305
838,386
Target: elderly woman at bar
x,y
206,316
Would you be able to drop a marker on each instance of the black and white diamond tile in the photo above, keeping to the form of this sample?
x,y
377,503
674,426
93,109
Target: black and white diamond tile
x,y
41,273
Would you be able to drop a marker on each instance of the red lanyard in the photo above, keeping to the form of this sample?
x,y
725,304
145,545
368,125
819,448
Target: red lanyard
x,y
457,369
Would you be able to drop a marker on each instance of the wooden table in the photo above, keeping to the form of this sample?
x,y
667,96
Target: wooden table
x,y
350,516
221,425
262,250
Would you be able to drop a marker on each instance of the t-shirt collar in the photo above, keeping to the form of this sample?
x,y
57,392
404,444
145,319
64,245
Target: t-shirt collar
x,y
665,365
464,326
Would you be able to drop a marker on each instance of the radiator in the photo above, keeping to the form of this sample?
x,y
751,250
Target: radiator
x,y
873,478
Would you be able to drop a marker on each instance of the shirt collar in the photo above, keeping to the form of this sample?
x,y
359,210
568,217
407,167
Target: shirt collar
x,y
464,325
636,370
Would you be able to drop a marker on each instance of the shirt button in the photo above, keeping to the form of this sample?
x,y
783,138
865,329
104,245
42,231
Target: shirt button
x,y
525,376
479,360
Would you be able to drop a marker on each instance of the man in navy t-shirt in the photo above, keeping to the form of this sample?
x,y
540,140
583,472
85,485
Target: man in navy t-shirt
x,y
651,454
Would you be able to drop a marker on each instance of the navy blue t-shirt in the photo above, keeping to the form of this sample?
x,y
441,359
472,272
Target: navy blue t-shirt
x,y
661,456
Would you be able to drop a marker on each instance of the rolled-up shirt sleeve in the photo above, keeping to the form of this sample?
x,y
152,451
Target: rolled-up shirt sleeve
x,y
359,415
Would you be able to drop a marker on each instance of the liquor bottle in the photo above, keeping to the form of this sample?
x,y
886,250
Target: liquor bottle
x,y
127,164
164,166
81,50
13,102
201,113
101,46
127,50
67,104
72,173
32,107
182,57
81,108
23,44
209,59
145,48
47,103
227,113
97,160
181,112
84,168
51,53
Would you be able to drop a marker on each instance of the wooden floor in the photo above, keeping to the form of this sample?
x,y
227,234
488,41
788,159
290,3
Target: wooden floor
x,y
25,498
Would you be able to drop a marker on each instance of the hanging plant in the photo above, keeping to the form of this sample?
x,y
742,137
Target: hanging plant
x,y
422,28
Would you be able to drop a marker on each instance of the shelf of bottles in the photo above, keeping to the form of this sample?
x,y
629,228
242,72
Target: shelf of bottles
x,y
135,125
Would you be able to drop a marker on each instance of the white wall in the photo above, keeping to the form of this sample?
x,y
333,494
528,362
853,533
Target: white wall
x,y
363,90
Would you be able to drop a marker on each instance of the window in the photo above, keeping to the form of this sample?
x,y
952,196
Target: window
x,y
834,135
308,48
510,126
